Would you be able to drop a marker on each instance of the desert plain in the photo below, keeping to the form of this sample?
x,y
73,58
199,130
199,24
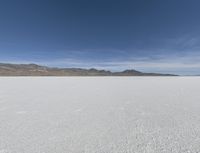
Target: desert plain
x,y
99,114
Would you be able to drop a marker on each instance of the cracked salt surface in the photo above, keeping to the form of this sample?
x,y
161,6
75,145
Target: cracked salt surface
x,y
100,115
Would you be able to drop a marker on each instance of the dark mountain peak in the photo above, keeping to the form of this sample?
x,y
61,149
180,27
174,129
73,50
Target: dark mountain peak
x,y
101,71
93,70
130,71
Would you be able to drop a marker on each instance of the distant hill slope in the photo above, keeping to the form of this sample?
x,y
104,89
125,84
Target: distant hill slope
x,y
37,70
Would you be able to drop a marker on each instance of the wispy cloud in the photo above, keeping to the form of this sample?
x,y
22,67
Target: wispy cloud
x,y
184,64
179,56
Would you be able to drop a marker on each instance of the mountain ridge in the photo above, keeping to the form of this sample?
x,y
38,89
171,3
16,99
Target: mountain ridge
x,y
7,69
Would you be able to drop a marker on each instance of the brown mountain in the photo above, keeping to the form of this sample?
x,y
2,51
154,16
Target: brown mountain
x,y
37,70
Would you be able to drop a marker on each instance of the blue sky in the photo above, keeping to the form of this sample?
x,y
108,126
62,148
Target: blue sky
x,y
147,35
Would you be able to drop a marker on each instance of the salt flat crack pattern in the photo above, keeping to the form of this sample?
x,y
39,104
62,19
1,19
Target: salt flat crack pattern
x,y
99,115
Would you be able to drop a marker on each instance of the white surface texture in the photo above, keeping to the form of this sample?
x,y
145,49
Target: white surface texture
x,y
100,115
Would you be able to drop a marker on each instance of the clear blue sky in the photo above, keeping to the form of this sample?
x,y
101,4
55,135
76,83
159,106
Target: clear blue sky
x,y
148,35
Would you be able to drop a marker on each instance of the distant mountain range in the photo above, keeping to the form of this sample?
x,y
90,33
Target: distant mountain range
x,y
37,70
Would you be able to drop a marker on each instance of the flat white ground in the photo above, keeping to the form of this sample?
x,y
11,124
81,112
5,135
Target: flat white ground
x,y
100,115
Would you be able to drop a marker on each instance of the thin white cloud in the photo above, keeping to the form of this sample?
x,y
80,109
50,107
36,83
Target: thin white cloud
x,y
168,60
178,64
185,64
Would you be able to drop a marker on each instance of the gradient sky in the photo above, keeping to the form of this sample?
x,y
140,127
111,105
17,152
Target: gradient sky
x,y
147,35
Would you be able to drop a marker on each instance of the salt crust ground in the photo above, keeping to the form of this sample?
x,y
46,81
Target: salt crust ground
x,y
100,115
